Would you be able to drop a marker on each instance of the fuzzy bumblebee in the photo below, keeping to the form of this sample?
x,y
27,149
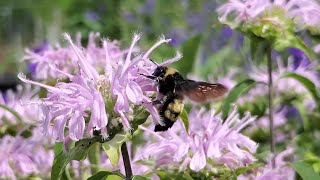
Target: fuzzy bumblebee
x,y
174,89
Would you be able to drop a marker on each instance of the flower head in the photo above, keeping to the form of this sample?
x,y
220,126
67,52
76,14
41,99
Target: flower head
x,y
46,62
305,14
279,172
298,64
98,101
13,100
245,10
25,156
208,139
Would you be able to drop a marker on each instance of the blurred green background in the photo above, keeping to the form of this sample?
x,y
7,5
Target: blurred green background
x,y
29,23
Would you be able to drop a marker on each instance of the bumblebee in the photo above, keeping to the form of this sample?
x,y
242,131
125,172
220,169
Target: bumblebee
x,y
174,89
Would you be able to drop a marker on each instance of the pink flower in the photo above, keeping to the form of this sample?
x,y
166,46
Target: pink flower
x,y
65,59
317,48
245,10
20,157
280,172
284,85
208,139
90,94
14,101
305,13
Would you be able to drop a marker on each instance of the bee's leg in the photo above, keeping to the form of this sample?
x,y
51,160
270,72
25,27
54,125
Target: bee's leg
x,y
156,102
158,79
148,76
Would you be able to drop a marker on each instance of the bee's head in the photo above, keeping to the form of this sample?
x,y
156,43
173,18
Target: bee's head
x,y
160,71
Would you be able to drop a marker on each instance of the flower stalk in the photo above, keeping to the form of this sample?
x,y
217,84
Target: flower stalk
x,y
270,104
126,161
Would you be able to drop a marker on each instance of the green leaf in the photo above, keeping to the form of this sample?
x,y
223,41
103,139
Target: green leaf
x,y
305,170
78,153
139,117
235,93
94,157
58,148
275,27
189,51
164,175
309,85
102,175
245,169
140,178
112,147
257,107
185,119
283,42
257,46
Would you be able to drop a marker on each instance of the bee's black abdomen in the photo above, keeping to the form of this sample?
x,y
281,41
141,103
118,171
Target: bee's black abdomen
x,y
167,124
169,111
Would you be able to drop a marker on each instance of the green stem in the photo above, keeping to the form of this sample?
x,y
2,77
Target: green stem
x,y
13,112
270,102
126,161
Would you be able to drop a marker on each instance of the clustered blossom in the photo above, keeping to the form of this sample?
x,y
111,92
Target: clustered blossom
x,y
279,172
305,13
24,157
101,99
14,101
47,61
208,138
299,65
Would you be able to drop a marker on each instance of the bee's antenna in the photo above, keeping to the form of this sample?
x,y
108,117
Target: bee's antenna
x,y
153,62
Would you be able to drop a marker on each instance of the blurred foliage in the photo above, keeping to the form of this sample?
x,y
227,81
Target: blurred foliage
x,y
30,22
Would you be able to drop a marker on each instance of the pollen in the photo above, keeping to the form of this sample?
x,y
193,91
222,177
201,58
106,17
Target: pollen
x,y
167,114
103,86
115,122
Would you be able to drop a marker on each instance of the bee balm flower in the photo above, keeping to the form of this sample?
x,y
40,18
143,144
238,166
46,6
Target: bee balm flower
x,y
208,140
98,101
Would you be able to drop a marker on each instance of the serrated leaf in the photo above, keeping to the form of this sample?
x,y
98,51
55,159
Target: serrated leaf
x,y
189,51
79,152
185,119
102,175
137,177
240,89
112,148
309,85
305,170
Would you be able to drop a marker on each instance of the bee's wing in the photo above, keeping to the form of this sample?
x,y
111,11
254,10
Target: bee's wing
x,y
200,91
